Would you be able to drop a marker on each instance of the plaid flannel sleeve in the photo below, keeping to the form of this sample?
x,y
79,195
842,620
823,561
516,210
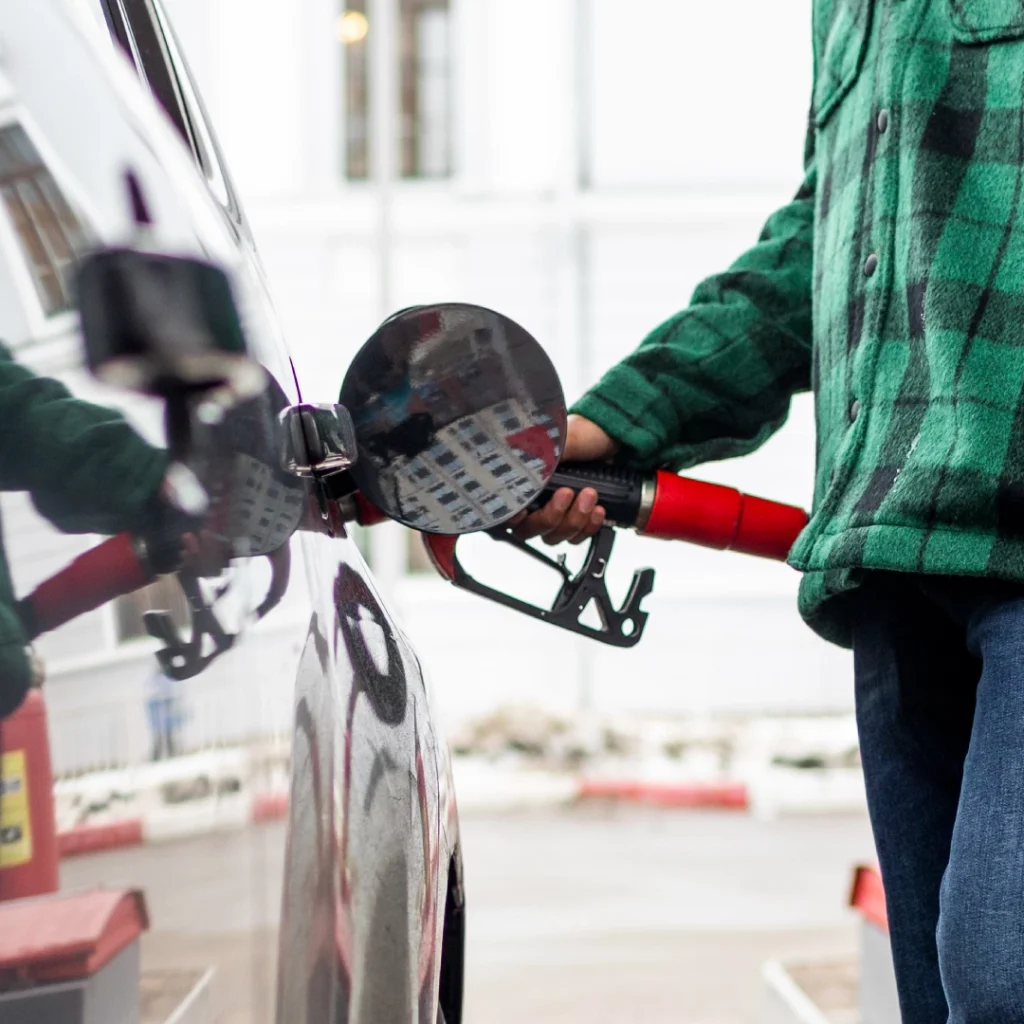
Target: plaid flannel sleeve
x,y
716,380
87,470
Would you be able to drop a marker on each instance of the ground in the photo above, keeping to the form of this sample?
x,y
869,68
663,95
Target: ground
x,y
596,914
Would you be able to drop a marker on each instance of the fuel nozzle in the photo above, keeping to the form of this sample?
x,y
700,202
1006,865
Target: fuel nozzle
x,y
672,507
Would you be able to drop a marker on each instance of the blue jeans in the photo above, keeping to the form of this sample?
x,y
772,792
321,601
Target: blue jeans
x,y
940,710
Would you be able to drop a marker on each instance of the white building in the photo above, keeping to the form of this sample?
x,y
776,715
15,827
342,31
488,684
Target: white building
x,y
578,165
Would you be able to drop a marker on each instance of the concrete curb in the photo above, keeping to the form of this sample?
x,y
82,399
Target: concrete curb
x,y
266,807
96,838
479,788
84,839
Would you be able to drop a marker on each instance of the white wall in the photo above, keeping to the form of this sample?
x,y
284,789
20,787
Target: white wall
x,y
695,135
699,95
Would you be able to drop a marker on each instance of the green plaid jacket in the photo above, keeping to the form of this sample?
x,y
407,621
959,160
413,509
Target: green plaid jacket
x,y
893,285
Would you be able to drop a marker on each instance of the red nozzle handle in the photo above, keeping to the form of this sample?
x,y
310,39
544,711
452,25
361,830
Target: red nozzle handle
x,y
677,508
721,517
115,567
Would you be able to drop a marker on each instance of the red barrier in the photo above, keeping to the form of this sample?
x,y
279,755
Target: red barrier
x,y
68,936
29,863
269,807
868,896
711,795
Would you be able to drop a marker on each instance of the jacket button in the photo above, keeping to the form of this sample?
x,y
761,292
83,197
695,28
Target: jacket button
x,y
854,410
883,121
870,265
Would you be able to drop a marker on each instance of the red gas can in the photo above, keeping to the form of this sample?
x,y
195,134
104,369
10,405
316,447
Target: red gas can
x,y
29,864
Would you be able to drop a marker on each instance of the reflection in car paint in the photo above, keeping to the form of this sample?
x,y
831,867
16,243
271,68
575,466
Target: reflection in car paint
x,y
329,905
331,960
354,604
385,690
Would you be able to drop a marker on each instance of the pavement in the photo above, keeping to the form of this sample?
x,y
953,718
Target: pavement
x,y
600,912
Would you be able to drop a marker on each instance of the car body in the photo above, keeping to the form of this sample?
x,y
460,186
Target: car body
x,y
371,928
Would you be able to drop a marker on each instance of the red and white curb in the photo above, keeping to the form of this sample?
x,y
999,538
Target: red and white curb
x,y
481,788
95,838
161,827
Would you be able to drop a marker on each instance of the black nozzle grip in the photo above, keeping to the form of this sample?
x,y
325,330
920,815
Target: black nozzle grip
x,y
619,491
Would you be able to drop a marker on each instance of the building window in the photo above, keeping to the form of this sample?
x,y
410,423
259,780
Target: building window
x,y
50,233
423,117
353,33
424,126
163,595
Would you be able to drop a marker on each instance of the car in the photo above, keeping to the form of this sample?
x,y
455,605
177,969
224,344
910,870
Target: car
x,y
105,146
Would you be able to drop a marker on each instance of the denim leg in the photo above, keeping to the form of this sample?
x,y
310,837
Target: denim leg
x,y
981,926
915,684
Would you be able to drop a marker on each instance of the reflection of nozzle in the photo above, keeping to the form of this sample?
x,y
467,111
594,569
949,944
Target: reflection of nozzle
x,y
115,567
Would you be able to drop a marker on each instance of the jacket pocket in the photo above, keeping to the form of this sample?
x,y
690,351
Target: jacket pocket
x,y
840,54
986,21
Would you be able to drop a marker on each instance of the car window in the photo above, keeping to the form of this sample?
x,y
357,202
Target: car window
x,y
165,68
155,64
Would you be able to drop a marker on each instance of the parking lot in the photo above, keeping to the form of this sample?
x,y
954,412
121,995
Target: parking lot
x,y
598,914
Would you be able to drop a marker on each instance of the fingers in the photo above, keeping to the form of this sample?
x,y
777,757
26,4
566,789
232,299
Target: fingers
x,y
570,517
594,523
566,517
549,518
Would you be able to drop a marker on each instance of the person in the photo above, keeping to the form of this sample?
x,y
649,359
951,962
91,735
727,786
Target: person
x,y
165,714
893,287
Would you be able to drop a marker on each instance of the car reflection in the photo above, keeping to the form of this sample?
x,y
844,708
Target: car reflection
x,y
361,625
218,496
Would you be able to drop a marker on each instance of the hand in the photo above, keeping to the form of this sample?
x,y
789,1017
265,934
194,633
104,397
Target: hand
x,y
568,516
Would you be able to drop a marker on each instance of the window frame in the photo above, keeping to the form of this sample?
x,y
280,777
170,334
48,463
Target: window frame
x,y
410,59
130,605
162,65
40,326
154,65
119,32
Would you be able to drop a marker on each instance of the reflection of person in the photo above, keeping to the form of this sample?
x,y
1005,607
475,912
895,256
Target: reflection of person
x,y
258,502
86,470
164,704
892,284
